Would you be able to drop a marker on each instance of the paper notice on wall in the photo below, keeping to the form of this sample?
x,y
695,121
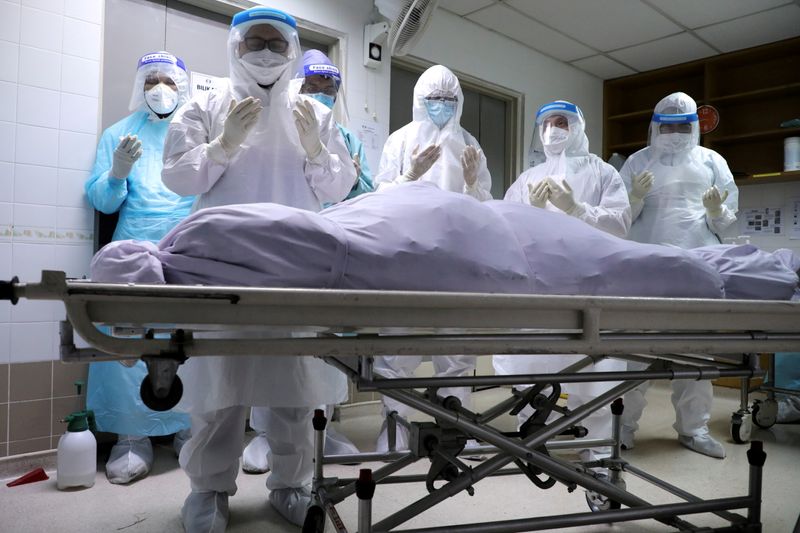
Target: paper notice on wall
x,y
204,82
794,230
765,221
367,132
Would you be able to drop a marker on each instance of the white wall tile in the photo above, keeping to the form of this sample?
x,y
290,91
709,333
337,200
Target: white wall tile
x,y
6,272
7,136
5,339
37,146
74,260
33,341
82,39
35,311
41,29
9,21
54,6
38,107
40,68
70,188
9,61
28,260
76,150
74,218
6,213
6,181
8,101
35,184
78,113
34,216
88,10
80,76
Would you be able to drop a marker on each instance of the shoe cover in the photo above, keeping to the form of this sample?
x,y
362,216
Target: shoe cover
x,y
338,444
626,438
788,410
291,503
131,458
254,457
401,438
704,444
181,438
205,512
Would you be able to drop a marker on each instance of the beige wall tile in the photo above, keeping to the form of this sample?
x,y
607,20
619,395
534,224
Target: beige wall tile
x,y
3,422
31,381
3,449
65,375
29,420
3,384
29,446
61,408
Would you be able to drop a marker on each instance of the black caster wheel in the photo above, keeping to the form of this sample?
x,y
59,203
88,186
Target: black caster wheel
x,y
741,427
765,413
166,403
315,520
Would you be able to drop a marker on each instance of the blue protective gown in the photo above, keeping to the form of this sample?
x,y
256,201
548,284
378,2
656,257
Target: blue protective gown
x,y
147,211
356,148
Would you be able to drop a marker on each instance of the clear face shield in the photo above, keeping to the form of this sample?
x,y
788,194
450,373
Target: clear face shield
x,y
161,84
262,46
557,124
323,83
674,133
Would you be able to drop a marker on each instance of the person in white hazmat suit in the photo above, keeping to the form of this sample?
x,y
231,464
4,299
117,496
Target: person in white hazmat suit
x,y
681,194
434,148
255,140
581,185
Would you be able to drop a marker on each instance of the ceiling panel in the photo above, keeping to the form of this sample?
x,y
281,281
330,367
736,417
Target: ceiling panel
x,y
462,7
508,22
761,28
603,67
695,13
603,24
668,51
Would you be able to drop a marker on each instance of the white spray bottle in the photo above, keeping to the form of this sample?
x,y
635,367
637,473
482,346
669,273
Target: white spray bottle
x,y
76,460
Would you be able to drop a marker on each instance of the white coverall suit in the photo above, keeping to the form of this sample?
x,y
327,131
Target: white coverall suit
x,y
672,213
599,200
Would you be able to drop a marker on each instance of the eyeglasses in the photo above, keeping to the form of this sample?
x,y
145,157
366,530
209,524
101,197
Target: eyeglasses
x,y
441,99
256,44
154,79
675,128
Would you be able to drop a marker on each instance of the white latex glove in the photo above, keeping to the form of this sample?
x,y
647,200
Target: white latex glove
x,y
641,184
561,195
539,193
712,201
242,116
470,160
305,120
421,162
357,164
126,153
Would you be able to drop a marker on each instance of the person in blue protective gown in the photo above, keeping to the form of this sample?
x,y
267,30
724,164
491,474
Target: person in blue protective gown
x,y
681,194
322,81
126,178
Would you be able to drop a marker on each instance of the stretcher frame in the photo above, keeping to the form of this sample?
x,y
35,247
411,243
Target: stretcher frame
x,y
682,338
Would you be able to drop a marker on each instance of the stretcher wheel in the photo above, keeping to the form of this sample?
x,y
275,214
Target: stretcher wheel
x,y
315,520
598,502
741,428
765,413
161,404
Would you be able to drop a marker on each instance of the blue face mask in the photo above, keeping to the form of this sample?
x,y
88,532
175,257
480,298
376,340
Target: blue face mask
x,y
324,98
440,112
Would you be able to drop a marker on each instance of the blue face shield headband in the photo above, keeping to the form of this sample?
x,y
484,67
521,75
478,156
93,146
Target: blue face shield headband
x,y
685,118
561,107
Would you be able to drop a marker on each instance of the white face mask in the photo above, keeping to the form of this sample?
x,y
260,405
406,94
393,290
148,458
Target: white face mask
x,y
554,138
265,66
674,143
161,99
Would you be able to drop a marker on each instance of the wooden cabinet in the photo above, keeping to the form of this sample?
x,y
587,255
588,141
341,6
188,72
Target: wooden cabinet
x,y
754,90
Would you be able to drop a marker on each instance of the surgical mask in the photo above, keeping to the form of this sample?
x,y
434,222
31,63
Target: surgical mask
x,y
440,112
323,98
555,138
673,143
161,99
265,66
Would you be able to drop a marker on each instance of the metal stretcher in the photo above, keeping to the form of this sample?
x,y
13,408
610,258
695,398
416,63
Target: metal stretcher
x,y
681,338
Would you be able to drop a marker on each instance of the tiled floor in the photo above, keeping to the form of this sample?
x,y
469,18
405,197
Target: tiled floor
x,y
152,504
